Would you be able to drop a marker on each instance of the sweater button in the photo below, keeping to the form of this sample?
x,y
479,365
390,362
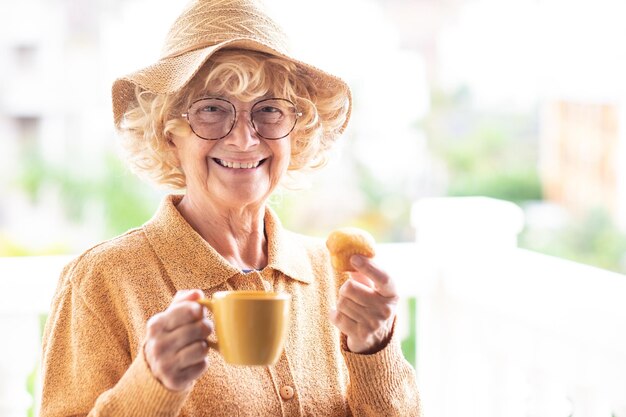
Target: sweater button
x,y
286,392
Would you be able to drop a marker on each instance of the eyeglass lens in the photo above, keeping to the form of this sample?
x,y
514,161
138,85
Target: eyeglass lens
x,y
214,118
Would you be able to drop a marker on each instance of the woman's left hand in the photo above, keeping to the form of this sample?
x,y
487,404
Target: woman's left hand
x,y
366,307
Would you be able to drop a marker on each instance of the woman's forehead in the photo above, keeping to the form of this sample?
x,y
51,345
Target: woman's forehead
x,y
234,99
237,92
233,88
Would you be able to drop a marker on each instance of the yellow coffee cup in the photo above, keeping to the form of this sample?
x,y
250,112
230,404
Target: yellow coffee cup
x,y
251,326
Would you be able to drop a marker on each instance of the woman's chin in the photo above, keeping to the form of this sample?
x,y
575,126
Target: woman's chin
x,y
241,196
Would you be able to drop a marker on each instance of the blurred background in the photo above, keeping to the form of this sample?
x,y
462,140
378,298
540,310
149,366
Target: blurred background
x,y
515,99
518,100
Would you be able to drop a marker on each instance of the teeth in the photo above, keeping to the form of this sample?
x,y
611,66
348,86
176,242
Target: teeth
x,y
238,165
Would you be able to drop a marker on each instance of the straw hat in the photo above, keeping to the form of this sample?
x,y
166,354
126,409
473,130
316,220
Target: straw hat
x,y
204,27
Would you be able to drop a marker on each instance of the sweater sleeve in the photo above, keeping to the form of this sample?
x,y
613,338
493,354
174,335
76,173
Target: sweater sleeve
x,y
381,384
87,368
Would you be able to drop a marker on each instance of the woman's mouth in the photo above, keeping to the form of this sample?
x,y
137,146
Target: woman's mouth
x,y
239,165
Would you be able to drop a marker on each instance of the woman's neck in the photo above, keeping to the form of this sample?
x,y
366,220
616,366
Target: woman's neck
x,y
236,233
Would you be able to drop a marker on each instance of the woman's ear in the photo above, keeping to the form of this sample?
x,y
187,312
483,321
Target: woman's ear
x,y
171,151
175,131
169,140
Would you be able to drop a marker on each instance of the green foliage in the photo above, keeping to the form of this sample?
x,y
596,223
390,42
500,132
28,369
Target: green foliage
x,y
492,155
33,377
495,154
515,184
387,209
409,343
33,170
126,202
593,239
9,247
31,388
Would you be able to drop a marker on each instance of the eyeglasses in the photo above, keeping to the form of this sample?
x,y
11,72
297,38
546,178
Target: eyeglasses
x,y
214,118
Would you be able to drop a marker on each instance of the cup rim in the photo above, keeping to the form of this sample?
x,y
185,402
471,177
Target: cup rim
x,y
250,295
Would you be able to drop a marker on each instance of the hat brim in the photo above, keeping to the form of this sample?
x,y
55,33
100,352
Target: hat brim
x,y
170,74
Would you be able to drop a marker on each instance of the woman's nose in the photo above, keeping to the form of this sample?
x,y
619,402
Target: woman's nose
x,y
243,133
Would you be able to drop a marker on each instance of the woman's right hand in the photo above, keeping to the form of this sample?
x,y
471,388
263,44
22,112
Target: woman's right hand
x,y
176,347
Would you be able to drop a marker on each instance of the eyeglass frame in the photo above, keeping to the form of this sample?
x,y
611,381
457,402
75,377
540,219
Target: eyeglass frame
x,y
297,114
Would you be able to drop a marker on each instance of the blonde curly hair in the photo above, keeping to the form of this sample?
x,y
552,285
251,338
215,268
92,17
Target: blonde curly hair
x,y
148,124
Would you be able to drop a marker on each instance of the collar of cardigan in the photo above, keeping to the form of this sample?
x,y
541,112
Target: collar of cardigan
x,y
192,263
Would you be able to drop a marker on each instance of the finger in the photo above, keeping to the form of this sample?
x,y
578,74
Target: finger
x,y
192,354
178,379
159,322
344,323
181,313
383,283
192,372
359,293
373,306
349,308
359,277
185,335
370,316
156,324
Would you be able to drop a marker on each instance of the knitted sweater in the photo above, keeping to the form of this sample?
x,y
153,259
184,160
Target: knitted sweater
x,y
93,361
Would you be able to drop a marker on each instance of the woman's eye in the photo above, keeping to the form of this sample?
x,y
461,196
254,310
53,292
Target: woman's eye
x,y
210,109
270,109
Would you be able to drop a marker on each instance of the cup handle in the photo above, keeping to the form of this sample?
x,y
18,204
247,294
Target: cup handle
x,y
208,303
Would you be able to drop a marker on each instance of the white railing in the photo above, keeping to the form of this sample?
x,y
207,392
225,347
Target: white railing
x,y
501,331
508,332
26,288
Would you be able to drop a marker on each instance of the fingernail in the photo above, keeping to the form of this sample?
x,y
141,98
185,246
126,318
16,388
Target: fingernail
x,y
357,260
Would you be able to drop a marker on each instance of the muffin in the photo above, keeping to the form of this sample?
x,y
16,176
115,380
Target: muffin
x,y
345,242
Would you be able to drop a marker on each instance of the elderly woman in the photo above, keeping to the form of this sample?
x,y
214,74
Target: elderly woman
x,y
227,115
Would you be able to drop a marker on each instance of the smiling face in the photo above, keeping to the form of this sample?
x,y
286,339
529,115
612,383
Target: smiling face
x,y
153,119
238,170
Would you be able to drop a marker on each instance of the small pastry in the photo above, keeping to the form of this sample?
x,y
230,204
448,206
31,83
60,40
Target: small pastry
x,y
345,242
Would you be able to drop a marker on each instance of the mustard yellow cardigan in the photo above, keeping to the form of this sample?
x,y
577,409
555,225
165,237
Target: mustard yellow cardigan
x,y
93,362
